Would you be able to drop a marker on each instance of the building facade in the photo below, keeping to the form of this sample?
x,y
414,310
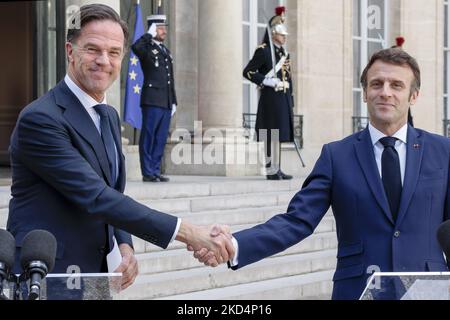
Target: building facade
x,y
330,41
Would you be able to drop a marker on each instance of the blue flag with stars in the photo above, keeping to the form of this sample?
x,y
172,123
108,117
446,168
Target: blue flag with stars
x,y
135,78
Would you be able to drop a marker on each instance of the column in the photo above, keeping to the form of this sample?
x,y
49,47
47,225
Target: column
x,y
220,63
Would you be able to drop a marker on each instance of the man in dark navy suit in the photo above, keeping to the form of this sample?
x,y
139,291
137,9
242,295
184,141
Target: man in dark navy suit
x,y
388,186
68,169
158,97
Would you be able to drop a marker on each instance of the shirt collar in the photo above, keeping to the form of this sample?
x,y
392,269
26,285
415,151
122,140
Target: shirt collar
x,y
86,100
376,134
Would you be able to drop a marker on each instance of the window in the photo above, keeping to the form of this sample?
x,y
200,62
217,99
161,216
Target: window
x,y
49,45
446,70
256,15
369,36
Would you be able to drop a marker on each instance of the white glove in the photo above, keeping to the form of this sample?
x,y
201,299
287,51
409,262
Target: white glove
x,y
174,109
152,30
271,82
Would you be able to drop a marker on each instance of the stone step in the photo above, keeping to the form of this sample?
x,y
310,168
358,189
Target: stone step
x,y
303,286
205,278
190,186
214,203
3,218
179,259
263,214
5,195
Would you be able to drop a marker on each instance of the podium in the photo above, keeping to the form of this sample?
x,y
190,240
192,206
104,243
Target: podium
x,y
407,286
75,286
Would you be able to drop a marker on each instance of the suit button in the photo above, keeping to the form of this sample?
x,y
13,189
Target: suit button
x,y
149,85
397,234
168,82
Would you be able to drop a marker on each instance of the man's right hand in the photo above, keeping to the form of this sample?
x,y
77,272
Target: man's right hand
x,y
216,240
152,30
207,256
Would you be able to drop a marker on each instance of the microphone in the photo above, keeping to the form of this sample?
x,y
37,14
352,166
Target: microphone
x,y
443,235
7,255
37,259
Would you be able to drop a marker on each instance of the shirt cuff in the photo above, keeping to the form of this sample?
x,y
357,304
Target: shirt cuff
x,y
176,230
234,261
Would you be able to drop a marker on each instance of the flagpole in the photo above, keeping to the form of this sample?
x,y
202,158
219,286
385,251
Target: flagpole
x,y
134,129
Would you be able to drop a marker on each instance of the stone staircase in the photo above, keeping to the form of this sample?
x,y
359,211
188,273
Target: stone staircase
x,y
304,271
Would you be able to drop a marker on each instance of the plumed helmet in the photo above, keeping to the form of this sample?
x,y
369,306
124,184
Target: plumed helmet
x,y
276,23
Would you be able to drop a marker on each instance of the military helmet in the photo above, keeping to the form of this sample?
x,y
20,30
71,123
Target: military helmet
x,y
276,23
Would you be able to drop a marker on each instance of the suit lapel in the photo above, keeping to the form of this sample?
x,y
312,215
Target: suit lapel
x,y
366,157
414,153
117,140
80,120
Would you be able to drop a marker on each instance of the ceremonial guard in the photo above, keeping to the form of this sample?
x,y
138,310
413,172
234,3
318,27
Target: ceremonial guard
x,y
270,69
158,97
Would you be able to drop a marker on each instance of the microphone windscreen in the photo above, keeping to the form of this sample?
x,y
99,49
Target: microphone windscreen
x,y
7,248
38,245
443,235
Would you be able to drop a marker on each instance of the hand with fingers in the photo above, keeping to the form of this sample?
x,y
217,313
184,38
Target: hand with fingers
x,y
208,257
128,267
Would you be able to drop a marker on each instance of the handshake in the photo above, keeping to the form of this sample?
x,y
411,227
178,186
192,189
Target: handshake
x,y
211,245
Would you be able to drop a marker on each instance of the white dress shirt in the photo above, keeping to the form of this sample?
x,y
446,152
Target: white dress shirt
x,y
89,103
400,146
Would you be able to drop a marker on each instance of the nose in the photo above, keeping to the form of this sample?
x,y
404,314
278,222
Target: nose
x,y
386,90
102,58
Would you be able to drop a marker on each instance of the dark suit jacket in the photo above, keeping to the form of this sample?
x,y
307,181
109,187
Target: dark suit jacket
x,y
61,183
275,109
159,82
346,177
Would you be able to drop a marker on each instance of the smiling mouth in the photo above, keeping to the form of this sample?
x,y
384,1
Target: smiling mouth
x,y
386,105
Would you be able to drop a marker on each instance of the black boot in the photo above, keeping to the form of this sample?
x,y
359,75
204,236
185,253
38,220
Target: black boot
x,y
284,176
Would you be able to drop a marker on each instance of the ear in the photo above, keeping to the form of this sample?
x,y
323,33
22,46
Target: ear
x,y
414,96
69,52
364,95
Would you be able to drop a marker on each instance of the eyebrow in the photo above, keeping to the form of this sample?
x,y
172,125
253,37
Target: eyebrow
x,y
386,79
97,46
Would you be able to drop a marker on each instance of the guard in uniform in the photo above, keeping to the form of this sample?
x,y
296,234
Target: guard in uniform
x,y
158,97
270,69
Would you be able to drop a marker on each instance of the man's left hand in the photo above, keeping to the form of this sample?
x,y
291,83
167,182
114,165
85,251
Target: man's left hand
x,y
128,267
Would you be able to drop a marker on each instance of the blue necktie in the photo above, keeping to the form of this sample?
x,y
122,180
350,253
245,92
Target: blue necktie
x,y
391,175
108,139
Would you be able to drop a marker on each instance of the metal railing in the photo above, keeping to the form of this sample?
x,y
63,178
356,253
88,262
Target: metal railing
x,y
249,121
446,131
359,123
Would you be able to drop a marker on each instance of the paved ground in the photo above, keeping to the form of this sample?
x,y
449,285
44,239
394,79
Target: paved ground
x,y
5,176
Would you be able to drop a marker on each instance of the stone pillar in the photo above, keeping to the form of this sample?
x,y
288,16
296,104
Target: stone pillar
x,y
220,63
423,27
214,81
322,74
183,44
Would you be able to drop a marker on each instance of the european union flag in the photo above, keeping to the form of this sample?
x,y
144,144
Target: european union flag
x,y
135,78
